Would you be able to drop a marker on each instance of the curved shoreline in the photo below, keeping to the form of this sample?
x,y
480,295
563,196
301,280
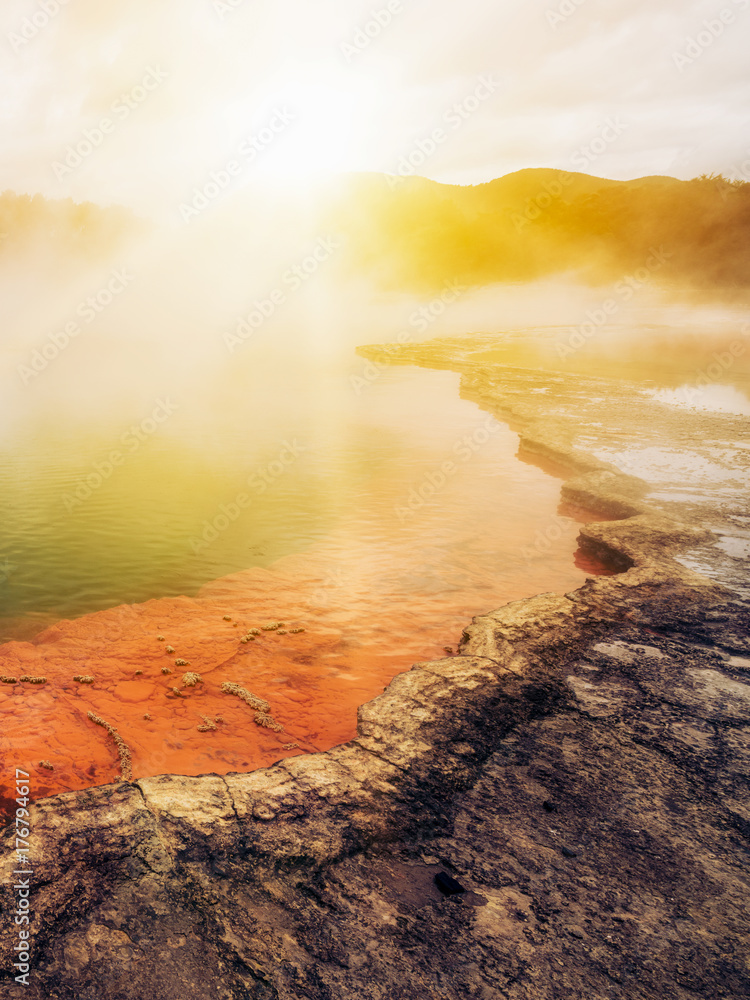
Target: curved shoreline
x,y
333,822
371,602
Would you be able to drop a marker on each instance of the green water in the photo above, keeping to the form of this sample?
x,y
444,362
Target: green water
x,y
190,486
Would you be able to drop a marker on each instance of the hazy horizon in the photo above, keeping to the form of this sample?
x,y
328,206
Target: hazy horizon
x,y
168,94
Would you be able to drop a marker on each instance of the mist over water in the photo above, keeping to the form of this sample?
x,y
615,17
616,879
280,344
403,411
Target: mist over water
x,y
215,360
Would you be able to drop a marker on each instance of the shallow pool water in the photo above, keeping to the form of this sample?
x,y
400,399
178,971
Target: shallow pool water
x,y
98,512
379,519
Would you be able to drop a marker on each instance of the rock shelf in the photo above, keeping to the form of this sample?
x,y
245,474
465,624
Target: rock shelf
x,y
579,769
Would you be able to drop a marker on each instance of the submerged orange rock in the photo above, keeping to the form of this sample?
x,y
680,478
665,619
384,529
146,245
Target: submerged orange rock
x,y
311,645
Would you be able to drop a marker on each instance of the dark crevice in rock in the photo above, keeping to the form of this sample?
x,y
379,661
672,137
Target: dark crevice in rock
x,y
231,802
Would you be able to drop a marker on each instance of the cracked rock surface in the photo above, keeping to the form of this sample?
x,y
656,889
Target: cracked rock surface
x,y
580,770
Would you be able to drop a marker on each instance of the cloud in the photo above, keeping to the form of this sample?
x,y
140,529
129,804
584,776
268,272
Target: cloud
x,y
566,67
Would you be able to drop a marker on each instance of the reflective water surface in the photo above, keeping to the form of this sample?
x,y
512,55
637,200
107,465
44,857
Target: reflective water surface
x,y
377,518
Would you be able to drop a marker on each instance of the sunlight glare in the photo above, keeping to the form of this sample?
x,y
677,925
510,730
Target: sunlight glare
x,y
328,133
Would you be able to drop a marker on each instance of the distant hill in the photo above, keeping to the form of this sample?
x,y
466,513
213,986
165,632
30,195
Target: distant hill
x,y
417,234
64,229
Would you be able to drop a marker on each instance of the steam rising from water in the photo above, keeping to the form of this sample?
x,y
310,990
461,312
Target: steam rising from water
x,y
177,327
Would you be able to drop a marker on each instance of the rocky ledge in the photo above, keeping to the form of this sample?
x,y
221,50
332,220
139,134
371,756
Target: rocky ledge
x,y
576,778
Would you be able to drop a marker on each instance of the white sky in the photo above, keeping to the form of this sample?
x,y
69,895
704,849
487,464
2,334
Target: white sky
x,y
555,88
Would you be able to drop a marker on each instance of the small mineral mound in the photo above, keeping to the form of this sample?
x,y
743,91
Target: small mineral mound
x,y
122,749
257,703
268,722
